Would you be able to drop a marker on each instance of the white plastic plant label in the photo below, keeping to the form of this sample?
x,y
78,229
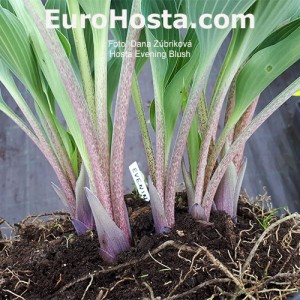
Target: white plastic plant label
x,y
139,181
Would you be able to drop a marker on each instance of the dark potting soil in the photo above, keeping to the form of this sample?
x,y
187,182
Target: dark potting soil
x,y
196,260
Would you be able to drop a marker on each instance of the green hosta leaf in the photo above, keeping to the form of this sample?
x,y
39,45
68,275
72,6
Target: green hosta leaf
x,y
7,80
6,4
172,96
181,78
66,138
12,115
64,41
162,35
159,67
43,108
279,35
119,32
169,73
74,162
191,47
48,67
152,115
268,16
210,40
62,7
262,69
100,106
16,51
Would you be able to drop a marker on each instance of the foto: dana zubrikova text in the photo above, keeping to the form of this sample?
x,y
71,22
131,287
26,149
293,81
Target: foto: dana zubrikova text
x,y
151,49
153,21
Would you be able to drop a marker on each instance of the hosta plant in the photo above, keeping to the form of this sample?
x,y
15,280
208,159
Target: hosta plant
x,y
71,72
255,57
72,75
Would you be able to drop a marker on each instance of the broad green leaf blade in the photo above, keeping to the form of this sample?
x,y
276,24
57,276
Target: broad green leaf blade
x,y
65,43
6,4
268,16
190,48
210,40
51,74
297,94
167,36
62,8
265,66
172,95
279,35
119,32
159,66
16,51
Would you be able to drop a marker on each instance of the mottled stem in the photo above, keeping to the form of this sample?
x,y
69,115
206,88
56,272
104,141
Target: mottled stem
x,y
213,121
160,150
241,140
118,139
101,56
77,99
180,144
83,59
61,163
241,125
136,95
49,155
